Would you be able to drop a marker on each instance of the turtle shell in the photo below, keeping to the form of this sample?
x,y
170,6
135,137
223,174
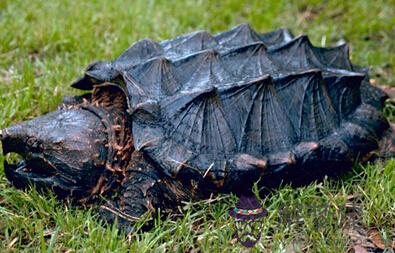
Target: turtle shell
x,y
199,101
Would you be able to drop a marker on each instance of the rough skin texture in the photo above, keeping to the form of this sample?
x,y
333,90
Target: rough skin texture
x,y
201,114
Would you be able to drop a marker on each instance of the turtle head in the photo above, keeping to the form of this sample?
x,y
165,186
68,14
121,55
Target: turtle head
x,y
63,150
70,149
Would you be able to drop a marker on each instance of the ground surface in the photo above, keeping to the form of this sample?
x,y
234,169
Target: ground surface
x,y
45,45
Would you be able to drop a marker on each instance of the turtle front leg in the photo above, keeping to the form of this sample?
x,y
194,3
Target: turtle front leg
x,y
143,189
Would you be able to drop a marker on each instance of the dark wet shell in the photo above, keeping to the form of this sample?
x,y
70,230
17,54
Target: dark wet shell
x,y
198,100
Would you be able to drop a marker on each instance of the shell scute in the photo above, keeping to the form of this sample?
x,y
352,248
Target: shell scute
x,y
198,102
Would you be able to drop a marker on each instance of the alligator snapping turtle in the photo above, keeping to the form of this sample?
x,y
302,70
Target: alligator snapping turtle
x,y
200,114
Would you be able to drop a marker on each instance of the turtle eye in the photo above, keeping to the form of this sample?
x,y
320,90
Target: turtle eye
x,y
34,144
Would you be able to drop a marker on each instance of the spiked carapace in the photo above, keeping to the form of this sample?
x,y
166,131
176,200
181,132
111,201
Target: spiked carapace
x,y
201,114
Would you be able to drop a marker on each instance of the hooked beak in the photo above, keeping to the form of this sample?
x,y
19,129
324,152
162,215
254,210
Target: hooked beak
x,y
13,139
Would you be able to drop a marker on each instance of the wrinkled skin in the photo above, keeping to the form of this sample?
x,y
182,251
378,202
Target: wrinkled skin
x,y
76,152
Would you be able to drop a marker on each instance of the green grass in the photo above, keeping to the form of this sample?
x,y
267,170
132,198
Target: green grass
x,y
45,45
